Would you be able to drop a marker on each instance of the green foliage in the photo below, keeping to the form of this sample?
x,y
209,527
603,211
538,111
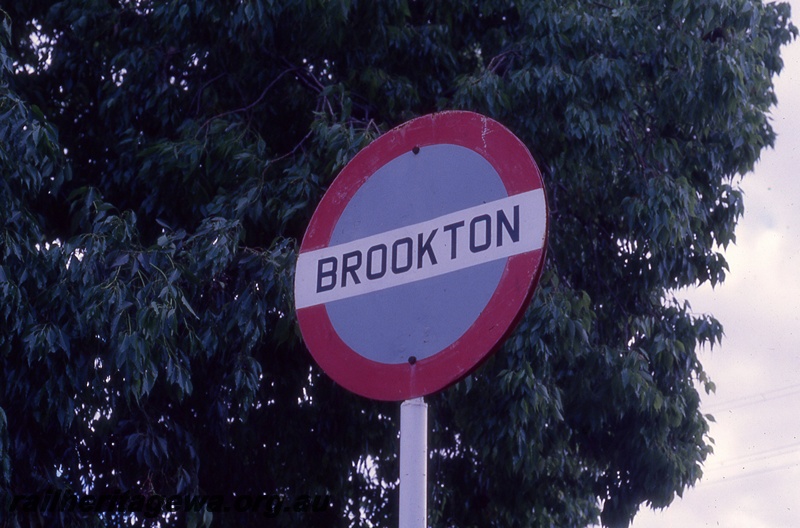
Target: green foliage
x,y
159,161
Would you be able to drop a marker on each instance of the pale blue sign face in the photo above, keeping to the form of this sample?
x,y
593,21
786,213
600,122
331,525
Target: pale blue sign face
x,y
422,317
421,256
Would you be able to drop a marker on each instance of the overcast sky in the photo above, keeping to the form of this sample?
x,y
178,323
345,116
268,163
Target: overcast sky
x,y
753,479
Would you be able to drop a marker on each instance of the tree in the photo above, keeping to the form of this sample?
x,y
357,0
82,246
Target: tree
x,y
160,160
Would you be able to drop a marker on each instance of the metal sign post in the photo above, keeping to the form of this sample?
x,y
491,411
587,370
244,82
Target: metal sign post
x,y
413,463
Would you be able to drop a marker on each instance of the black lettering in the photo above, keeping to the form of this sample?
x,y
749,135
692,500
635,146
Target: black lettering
x,y
425,248
321,503
371,273
69,501
155,503
487,237
453,237
258,499
47,500
58,500
326,274
194,503
302,504
502,221
121,502
243,503
103,501
136,503
409,255
350,268
273,508
216,504
86,503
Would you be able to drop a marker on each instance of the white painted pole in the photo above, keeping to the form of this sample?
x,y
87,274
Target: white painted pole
x,y
413,463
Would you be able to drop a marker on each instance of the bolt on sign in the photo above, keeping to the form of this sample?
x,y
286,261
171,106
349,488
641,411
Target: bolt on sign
x,y
422,256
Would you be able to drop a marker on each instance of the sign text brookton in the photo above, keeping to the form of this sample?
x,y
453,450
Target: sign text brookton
x,y
459,240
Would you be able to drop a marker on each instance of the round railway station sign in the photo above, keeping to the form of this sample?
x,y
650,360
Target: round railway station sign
x,y
422,256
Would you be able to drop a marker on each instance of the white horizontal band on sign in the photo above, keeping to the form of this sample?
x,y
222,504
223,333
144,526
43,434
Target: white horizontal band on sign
x,y
469,237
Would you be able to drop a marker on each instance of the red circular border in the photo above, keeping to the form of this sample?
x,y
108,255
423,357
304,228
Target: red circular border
x,y
395,382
